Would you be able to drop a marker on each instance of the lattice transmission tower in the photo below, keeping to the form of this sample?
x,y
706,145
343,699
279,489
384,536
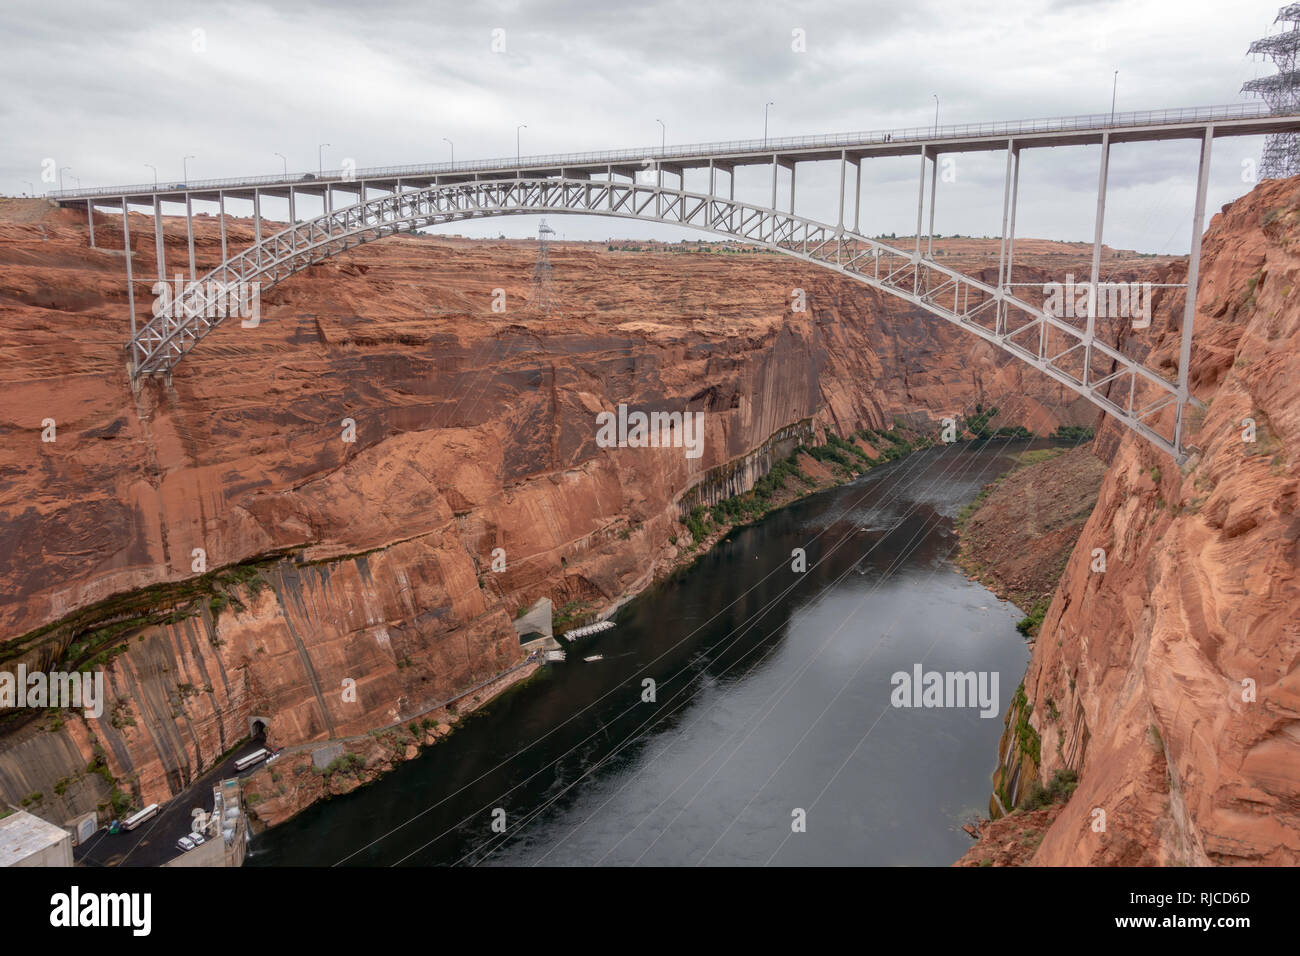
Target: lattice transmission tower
x,y
542,295
1281,156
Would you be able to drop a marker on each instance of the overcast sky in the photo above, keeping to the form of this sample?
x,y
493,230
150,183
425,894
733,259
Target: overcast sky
x,y
107,87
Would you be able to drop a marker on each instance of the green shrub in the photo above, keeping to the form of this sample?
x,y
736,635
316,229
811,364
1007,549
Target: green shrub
x,y
1074,433
1028,742
346,763
695,524
216,604
1058,790
1030,623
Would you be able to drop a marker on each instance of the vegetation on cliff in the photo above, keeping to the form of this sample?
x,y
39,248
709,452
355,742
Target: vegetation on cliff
x,y
844,459
1019,531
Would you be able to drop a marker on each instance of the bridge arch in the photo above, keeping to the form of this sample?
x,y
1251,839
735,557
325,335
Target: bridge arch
x,y
1071,356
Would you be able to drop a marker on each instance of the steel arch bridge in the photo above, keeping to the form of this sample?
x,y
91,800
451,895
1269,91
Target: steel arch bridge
x,y
1013,325
618,184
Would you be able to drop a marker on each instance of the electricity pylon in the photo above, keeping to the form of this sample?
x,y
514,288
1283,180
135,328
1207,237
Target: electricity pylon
x,y
542,296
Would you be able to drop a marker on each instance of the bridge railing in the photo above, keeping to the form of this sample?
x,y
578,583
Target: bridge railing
x,y
1090,121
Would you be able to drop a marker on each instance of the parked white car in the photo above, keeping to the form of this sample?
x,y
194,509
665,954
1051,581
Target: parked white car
x,y
196,838
185,843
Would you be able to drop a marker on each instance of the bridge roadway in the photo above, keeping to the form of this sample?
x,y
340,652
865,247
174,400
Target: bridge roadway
x,y
1133,127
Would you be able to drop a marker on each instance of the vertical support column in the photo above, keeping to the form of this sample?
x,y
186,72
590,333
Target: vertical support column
x,y
792,169
659,187
158,238
189,232
920,204
221,203
1193,281
1002,246
257,215
329,199
1015,195
90,217
293,216
731,196
1096,257
857,194
844,166
775,167
130,281
934,181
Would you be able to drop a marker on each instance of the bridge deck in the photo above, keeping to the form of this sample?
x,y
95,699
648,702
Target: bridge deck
x,y
1144,126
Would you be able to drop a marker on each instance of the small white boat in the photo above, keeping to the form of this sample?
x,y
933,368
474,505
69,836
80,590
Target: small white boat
x,y
594,657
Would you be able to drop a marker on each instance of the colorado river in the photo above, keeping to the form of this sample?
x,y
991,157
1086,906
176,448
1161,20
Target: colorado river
x,y
772,737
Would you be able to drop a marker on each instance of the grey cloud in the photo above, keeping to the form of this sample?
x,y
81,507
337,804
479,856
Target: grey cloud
x,y
107,87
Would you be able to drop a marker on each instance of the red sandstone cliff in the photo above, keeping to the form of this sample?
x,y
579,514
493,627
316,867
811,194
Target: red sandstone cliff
x,y
1169,681
371,560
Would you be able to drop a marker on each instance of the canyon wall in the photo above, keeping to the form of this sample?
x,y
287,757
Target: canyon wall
x,y
1164,676
217,545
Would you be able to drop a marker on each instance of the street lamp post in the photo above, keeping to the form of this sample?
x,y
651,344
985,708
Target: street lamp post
x,y
517,129
663,137
62,168
285,162
31,186
765,109
453,149
185,169
155,173
936,113
1113,90
320,158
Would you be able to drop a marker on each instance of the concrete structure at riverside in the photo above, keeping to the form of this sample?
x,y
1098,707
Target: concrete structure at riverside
x,y
27,840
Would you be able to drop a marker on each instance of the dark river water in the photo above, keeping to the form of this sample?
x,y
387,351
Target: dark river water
x,y
772,738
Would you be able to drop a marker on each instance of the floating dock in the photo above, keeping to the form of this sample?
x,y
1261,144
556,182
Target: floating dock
x,y
596,628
